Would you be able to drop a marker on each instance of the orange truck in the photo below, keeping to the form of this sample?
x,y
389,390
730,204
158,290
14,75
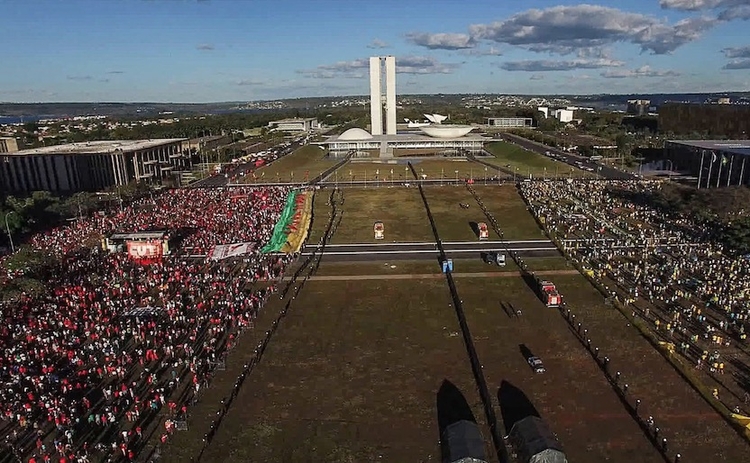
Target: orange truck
x,y
548,293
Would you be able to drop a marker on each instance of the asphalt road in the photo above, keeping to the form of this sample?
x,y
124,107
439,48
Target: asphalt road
x,y
606,172
219,180
414,251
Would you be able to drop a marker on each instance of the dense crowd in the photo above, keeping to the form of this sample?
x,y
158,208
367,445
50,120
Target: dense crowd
x,y
116,344
692,291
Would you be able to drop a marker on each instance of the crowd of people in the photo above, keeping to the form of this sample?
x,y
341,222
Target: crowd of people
x,y
117,344
666,268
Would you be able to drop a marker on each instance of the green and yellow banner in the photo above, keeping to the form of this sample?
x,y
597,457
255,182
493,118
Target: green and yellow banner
x,y
290,230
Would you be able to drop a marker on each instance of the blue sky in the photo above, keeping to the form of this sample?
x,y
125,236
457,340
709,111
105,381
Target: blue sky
x,y
238,50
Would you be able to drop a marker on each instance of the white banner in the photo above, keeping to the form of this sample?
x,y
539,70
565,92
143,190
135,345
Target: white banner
x,y
225,251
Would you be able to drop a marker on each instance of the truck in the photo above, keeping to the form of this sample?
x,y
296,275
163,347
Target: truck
x,y
484,232
548,293
379,230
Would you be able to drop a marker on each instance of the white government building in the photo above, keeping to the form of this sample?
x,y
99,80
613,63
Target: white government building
x,y
434,136
91,166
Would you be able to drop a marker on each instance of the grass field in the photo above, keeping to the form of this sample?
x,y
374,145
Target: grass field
x,y
400,209
425,266
690,424
293,166
380,171
527,163
351,380
506,204
573,396
455,223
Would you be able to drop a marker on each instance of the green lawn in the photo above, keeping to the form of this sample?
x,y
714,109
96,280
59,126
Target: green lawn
x,y
454,223
527,163
352,375
506,204
309,159
400,209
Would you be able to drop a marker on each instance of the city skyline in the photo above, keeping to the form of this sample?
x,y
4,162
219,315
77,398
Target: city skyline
x,y
220,50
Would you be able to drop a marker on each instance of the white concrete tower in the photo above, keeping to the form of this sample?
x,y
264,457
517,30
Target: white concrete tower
x,y
390,95
376,103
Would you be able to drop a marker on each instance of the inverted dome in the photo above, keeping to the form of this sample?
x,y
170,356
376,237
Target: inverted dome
x,y
446,131
355,134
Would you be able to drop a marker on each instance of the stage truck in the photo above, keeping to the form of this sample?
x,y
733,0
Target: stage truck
x,y
484,232
548,293
379,230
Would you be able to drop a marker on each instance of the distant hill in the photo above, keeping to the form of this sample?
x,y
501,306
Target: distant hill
x,y
31,111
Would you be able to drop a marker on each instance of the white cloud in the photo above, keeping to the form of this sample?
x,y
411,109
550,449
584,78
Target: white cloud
x,y
205,47
563,29
79,77
737,64
359,68
250,83
695,5
542,65
441,41
643,71
735,12
377,44
737,52
730,9
423,65
492,51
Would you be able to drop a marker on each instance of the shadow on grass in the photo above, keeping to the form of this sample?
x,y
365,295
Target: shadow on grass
x,y
514,405
459,433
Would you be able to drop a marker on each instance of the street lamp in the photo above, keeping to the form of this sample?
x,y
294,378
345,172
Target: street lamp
x,y
456,176
7,228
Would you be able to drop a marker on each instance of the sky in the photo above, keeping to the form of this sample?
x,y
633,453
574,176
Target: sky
x,y
245,50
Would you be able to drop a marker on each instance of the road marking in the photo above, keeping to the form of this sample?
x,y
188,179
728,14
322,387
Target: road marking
x,y
431,276
445,243
423,251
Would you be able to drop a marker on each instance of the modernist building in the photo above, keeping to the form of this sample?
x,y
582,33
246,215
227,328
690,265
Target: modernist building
x,y
359,140
376,97
434,136
638,107
91,166
8,145
714,163
510,122
296,124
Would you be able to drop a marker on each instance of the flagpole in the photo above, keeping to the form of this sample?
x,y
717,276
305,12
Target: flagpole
x,y
742,171
700,172
729,174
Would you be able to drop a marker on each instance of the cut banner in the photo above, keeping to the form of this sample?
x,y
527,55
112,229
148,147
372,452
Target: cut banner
x,y
225,251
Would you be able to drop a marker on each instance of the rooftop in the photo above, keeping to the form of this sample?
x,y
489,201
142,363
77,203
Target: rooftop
x,y
740,147
401,137
98,147
294,119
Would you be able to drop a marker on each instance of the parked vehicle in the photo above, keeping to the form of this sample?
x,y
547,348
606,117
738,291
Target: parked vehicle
x,y
536,364
495,258
548,293
379,230
484,232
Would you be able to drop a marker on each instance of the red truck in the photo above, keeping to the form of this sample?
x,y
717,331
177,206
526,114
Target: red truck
x,y
548,293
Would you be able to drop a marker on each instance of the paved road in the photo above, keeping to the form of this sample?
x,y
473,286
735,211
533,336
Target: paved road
x,y
432,276
414,251
219,180
605,171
